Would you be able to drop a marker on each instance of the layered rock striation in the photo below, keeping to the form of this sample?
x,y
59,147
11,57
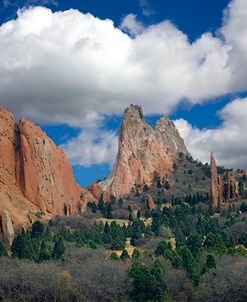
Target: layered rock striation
x,y
35,175
144,152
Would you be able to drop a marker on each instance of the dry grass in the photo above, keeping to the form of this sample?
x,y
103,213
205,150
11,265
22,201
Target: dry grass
x,y
124,221
129,248
118,221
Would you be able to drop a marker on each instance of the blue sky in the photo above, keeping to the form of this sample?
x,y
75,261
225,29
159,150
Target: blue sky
x,y
206,108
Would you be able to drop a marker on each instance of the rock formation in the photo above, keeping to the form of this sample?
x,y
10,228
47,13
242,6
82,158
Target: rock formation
x,y
144,152
150,203
96,190
216,187
8,229
35,175
221,191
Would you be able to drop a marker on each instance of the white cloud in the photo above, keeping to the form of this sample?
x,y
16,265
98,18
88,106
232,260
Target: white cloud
x,y
146,8
63,66
92,146
228,142
70,67
131,26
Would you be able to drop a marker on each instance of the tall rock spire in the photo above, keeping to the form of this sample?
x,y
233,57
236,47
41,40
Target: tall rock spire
x,y
216,196
144,152
214,181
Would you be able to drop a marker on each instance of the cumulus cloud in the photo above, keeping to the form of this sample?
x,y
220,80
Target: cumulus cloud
x,y
228,142
131,25
18,3
62,66
92,146
70,67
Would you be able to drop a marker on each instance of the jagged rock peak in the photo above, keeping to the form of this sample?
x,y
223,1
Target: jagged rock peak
x,y
134,109
144,152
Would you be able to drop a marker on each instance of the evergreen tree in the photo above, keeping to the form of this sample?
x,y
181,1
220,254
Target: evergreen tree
x,y
148,282
114,256
194,244
22,247
109,211
38,229
210,261
45,253
120,202
219,245
118,244
241,188
101,204
129,208
130,217
243,239
138,215
161,248
187,259
3,251
210,211
174,257
136,254
59,249
124,256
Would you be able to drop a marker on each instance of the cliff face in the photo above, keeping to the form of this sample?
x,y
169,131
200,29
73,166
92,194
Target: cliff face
x,y
144,152
35,175
221,191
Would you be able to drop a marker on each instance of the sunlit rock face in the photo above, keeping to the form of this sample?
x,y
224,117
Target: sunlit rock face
x,y
35,175
144,152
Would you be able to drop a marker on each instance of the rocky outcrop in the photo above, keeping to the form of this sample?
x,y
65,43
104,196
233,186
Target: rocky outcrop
x,y
7,228
35,175
144,152
96,190
222,191
150,203
216,185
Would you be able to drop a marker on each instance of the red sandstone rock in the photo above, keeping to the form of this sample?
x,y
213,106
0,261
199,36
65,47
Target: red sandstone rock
x,y
215,193
150,203
220,191
144,152
96,190
35,175
8,229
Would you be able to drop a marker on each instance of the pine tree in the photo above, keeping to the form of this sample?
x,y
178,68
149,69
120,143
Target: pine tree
x,y
130,217
124,255
45,253
101,204
114,256
38,229
120,202
187,259
194,244
3,251
59,249
22,247
210,261
136,254
161,248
